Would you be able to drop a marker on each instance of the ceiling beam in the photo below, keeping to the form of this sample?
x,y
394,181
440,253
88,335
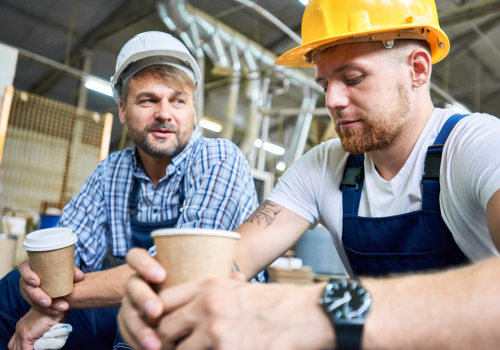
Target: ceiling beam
x,y
119,19
469,11
39,19
465,40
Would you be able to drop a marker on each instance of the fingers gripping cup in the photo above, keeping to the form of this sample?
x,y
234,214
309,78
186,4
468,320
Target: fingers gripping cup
x,y
194,254
51,254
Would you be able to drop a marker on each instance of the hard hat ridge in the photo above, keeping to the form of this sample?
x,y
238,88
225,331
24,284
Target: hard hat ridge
x,y
335,22
151,48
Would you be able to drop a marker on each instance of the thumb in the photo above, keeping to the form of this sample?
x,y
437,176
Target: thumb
x,y
238,276
78,275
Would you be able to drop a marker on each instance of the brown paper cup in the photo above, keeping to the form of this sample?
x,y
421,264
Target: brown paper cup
x,y
190,257
55,269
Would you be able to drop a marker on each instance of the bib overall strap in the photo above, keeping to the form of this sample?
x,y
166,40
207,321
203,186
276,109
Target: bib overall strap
x,y
134,196
430,179
352,183
136,188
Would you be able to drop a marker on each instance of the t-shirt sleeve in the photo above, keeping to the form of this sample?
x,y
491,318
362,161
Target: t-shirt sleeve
x,y
298,189
471,169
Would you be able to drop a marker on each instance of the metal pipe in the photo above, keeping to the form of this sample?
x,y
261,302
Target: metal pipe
x,y
266,14
264,136
304,131
252,122
234,92
182,15
33,57
292,112
299,125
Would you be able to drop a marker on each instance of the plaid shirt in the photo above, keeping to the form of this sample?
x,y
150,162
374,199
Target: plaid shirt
x,y
219,190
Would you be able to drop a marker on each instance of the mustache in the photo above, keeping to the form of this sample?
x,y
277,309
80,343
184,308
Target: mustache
x,y
159,125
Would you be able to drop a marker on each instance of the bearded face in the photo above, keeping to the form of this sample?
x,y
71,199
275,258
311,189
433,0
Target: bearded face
x,y
376,130
156,146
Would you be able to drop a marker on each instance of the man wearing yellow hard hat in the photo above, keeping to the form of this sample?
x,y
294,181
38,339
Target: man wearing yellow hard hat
x,y
410,194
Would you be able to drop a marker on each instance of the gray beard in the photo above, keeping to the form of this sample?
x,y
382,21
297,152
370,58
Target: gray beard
x,y
140,139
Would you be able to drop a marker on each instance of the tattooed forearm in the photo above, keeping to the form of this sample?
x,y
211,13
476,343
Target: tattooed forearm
x,y
265,214
235,266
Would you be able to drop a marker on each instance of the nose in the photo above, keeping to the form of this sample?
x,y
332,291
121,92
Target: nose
x,y
164,110
337,98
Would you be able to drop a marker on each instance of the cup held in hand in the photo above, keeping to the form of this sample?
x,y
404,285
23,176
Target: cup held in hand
x,y
51,255
194,254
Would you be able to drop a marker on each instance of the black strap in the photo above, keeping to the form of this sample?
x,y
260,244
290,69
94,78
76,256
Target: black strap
x,y
349,336
353,172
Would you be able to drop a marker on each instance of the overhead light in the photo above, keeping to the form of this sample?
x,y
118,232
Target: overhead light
x,y
305,2
99,85
209,124
269,147
272,148
281,166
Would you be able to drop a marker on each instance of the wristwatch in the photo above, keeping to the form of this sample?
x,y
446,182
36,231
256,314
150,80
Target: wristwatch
x,y
346,303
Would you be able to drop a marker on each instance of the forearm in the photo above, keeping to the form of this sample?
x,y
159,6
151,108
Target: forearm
x,y
456,309
268,233
100,289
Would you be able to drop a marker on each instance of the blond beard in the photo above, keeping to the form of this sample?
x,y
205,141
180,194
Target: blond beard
x,y
378,130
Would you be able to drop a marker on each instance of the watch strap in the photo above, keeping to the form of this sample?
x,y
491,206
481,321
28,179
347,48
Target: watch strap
x,y
348,336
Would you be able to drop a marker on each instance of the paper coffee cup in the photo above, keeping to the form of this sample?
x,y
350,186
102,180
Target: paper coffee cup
x,y
51,254
194,254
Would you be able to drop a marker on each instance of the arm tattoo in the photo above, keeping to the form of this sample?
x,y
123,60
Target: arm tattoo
x,y
235,266
266,213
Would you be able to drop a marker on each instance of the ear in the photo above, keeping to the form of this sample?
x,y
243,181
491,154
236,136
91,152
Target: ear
x,y
421,67
123,113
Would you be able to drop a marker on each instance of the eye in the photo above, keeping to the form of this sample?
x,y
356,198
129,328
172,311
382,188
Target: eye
x,y
354,81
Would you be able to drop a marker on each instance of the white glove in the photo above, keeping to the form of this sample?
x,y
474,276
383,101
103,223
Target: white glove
x,y
54,338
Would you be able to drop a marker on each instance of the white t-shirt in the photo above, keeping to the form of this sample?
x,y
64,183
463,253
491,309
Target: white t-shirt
x,y
470,175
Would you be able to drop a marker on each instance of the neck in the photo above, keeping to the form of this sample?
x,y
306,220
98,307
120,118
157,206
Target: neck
x,y
155,167
390,160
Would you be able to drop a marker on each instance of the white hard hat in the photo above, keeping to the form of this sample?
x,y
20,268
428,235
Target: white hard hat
x,y
150,48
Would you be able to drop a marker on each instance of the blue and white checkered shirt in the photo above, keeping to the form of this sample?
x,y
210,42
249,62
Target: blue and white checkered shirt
x,y
219,190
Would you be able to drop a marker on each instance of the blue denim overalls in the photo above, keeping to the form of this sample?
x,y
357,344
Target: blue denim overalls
x,y
141,231
416,241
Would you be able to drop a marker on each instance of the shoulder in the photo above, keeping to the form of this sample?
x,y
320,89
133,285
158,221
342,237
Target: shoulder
x,y
474,132
215,149
324,155
116,162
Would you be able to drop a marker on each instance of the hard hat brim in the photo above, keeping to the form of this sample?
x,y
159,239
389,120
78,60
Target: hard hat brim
x,y
296,57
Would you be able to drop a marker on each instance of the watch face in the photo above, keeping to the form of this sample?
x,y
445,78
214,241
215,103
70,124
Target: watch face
x,y
346,300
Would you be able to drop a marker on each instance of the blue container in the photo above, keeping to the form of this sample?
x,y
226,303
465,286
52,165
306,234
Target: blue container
x,y
48,221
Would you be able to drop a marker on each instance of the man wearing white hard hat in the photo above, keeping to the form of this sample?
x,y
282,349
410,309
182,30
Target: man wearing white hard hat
x,y
173,177
410,194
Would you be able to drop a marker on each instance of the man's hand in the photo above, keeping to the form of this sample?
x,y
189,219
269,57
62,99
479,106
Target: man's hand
x,y
142,307
37,298
231,314
219,314
31,327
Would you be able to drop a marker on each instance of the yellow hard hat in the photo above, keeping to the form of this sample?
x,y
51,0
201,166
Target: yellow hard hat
x,y
328,23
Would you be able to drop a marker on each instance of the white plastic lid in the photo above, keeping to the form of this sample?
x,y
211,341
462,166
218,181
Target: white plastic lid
x,y
49,239
194,232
